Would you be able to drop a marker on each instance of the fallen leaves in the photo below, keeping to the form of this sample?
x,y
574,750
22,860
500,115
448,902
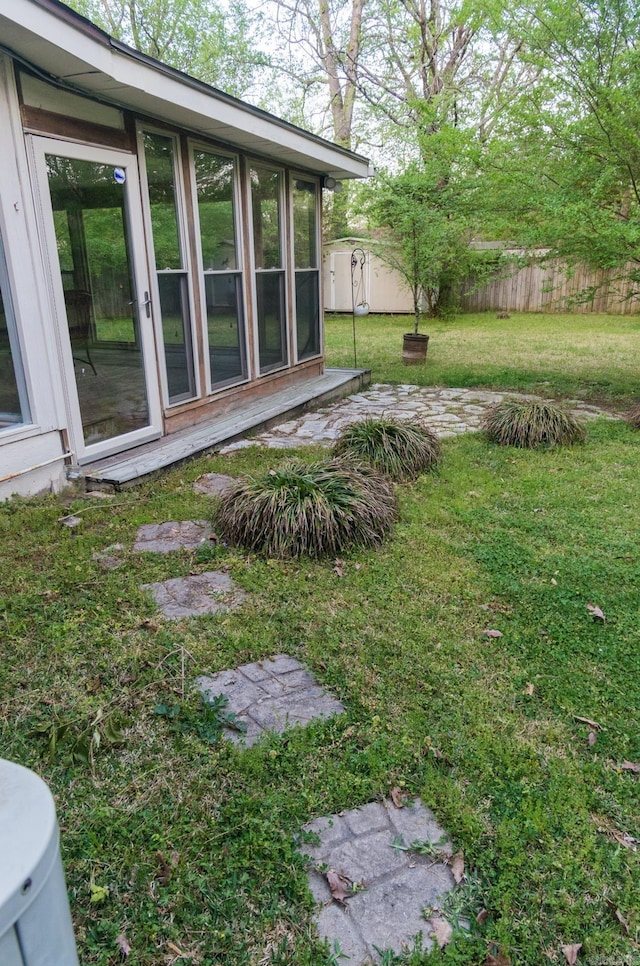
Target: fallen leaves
x,y
339,567
456,865
630,766
530,689
623,922
596,613
495,957
165,868
340,886
442,931
123,946
397,797
490,632
571,953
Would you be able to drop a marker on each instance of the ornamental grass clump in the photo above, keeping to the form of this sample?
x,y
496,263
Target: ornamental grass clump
x,y
401,450
532,424
308,509
633,416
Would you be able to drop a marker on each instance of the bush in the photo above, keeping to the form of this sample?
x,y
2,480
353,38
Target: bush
x,y
633,416
401,450
532,424
313,509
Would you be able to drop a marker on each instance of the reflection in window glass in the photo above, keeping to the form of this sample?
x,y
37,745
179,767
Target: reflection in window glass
x,y
173,281
214,179
304,224
13,401
307,275
265,197
215,182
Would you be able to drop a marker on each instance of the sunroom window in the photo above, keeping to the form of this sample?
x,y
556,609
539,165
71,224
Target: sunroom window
x,y
307,275
14,408
266,204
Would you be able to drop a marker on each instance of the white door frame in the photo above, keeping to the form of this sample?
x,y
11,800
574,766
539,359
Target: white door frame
x,y
40,147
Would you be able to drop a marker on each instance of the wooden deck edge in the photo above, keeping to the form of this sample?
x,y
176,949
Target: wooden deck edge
x,y
120,476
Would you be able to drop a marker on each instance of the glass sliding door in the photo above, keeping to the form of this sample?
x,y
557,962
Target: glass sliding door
x,y
221,267
95,244
266,206
307,273
165,216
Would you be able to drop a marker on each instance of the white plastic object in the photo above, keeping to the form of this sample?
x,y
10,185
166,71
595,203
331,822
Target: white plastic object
x,y
35,922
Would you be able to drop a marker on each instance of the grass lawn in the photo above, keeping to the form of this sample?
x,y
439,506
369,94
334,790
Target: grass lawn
x,y
595,356
187,848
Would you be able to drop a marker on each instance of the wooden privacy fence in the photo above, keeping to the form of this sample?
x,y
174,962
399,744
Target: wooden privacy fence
x,y
548,288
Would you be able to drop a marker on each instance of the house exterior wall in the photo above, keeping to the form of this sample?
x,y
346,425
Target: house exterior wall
x,y
384,289
44,121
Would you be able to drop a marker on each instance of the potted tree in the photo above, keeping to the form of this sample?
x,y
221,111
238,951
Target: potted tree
x,y
417,237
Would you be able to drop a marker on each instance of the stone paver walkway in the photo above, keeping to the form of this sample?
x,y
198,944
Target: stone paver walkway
x,y
270,695
214,484
394,886
168,537
208,593
448,411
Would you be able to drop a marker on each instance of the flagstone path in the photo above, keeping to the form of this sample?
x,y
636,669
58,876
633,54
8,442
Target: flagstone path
x,y
449,412
395,886
270,696
212,592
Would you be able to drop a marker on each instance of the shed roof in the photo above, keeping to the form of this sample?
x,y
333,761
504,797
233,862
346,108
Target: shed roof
x,y
49,36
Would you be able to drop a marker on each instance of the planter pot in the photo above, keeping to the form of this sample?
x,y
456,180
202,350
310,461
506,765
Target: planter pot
x,y
414,349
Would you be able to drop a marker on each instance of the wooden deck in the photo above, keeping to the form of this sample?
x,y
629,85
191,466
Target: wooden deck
x,y
134,465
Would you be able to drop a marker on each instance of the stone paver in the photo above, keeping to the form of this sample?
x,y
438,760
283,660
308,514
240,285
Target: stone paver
x,y
167,537
448,412
208,593
109,558
270,696
393,886
214,484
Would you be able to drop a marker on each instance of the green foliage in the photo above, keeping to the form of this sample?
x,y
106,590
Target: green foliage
x,y
401,450
301,509
423,227
78,738
532,424
208,721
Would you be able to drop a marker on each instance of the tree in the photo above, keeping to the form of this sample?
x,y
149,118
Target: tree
x,y
567,166
200,37
421,234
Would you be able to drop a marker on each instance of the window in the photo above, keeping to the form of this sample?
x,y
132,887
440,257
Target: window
x,y
266,205
307,276
14,408
221,267
171,270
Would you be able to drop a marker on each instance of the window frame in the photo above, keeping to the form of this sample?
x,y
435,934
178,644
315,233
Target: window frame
x,y
283,270
311,179
186,271
239,273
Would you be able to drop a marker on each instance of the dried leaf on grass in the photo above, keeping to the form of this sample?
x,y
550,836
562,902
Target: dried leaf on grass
x,y
492,633
571,952
165,867
482,917
442,931
623,922
623,838
457,867
495,957
592,724
530,689
397,797
591,740
123,946
339,567
340,885
630,766
596,613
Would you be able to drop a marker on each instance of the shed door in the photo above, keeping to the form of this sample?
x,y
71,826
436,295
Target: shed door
x,y
95,247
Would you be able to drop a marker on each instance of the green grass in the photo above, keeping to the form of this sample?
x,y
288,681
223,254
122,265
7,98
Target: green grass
x,y
595,356
183,843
